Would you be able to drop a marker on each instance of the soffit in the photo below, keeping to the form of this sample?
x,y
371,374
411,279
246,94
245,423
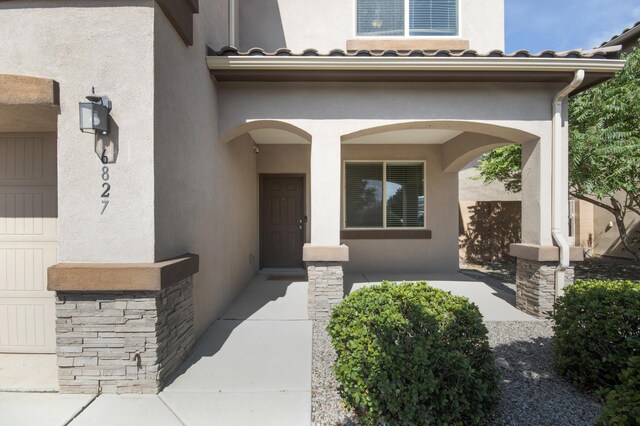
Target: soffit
x,y
408,136
276,136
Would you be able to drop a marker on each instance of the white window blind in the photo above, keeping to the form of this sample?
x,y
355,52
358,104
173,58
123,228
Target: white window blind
x,y
387,18
433,17
405,195
380,17
400,185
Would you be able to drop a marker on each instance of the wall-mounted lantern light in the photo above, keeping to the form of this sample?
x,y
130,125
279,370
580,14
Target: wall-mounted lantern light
x,y
94,115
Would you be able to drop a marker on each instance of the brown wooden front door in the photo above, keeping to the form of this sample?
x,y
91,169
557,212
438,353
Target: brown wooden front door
x,y
281,221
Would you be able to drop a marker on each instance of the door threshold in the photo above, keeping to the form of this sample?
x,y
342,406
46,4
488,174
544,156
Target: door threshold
x,y
282,271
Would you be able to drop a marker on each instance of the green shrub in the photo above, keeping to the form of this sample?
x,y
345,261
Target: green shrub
x,y
410,354
622,404
597,331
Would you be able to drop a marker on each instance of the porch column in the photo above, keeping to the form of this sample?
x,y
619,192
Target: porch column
x,y
537,255
324,255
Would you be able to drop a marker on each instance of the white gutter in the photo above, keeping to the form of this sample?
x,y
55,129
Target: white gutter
x,y
557,188
232,22
367,63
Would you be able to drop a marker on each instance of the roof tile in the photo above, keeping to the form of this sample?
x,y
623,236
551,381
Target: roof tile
x,y
573,54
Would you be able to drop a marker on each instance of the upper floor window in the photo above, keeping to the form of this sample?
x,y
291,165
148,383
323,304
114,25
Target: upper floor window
x,y
407,18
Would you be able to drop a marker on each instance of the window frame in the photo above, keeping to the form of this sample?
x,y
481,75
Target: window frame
x,y
407,21
384,226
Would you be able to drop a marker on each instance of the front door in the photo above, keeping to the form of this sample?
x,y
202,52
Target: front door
x,y
281,221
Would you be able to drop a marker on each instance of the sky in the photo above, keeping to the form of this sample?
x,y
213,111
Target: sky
x,y
559,25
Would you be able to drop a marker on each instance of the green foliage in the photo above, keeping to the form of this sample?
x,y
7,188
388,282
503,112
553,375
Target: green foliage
x,y
605,135
622,404
604,149
409,354
597,331
502,165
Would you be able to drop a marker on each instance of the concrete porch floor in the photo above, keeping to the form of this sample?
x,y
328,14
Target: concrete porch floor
x,y
253,366
495,303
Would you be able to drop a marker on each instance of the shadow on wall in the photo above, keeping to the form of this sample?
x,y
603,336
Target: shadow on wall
x,y
607,238
261,22
487,228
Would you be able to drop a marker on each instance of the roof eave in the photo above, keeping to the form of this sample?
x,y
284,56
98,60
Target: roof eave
x,y
410,69
453,64
630,36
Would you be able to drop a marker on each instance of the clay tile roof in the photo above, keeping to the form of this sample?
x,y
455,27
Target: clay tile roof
x,y
573,54
626,31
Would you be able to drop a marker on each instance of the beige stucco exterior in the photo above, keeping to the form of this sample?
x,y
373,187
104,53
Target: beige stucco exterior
x,y
327,25
191,150
73,46
205,193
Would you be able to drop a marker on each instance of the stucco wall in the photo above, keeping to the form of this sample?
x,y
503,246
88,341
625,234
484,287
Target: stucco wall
x,y
108,45
330,110
440,253
472,189
606,238
327,25
206,190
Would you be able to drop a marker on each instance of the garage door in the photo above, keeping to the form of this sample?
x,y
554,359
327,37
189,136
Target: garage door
x,y
28,242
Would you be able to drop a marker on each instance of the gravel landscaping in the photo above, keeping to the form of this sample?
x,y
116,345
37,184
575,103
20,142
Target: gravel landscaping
x,y
531,392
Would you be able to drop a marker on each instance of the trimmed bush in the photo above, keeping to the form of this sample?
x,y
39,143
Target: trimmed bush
x,y
597,331
622,405
410,354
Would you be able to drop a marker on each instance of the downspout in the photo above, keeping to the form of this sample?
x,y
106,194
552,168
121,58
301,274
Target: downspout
x,y
232,23
556,181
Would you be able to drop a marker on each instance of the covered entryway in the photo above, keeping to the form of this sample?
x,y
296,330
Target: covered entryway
x,y
282,221
28,213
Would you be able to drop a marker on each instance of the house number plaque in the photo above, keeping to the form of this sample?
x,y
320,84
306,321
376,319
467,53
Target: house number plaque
x,y
106,186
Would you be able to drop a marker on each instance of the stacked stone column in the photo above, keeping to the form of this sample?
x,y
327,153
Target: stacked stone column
x,y
122,328
326,278
536,277
326,288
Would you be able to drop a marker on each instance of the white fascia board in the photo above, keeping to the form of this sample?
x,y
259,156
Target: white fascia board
x,y
366,63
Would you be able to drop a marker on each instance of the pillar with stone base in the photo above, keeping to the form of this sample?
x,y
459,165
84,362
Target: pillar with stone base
x,y
122,328
535,277
326,278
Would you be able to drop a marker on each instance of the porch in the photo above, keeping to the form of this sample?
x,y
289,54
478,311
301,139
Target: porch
x,y
252,366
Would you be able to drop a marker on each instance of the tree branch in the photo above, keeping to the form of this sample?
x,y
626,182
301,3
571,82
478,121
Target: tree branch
x,y
594,202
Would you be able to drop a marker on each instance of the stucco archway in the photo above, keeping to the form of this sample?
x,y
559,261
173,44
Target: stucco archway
x,y
268,132
461,141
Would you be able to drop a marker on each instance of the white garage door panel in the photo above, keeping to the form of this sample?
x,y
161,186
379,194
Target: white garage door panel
x,y
28,242
25,325
25,265
28,211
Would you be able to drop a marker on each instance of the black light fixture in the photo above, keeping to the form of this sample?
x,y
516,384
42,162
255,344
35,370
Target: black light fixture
x,y
94,115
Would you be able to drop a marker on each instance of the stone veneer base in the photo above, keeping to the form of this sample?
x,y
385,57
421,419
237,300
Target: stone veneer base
x,y
326,288
535,286
123,342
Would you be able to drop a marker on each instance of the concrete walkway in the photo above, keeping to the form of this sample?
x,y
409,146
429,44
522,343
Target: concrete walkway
x,y
252,367
495,302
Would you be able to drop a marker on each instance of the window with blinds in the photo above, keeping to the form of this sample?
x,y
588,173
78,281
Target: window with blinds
x,y
381,18
400,185
389,18
433,17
